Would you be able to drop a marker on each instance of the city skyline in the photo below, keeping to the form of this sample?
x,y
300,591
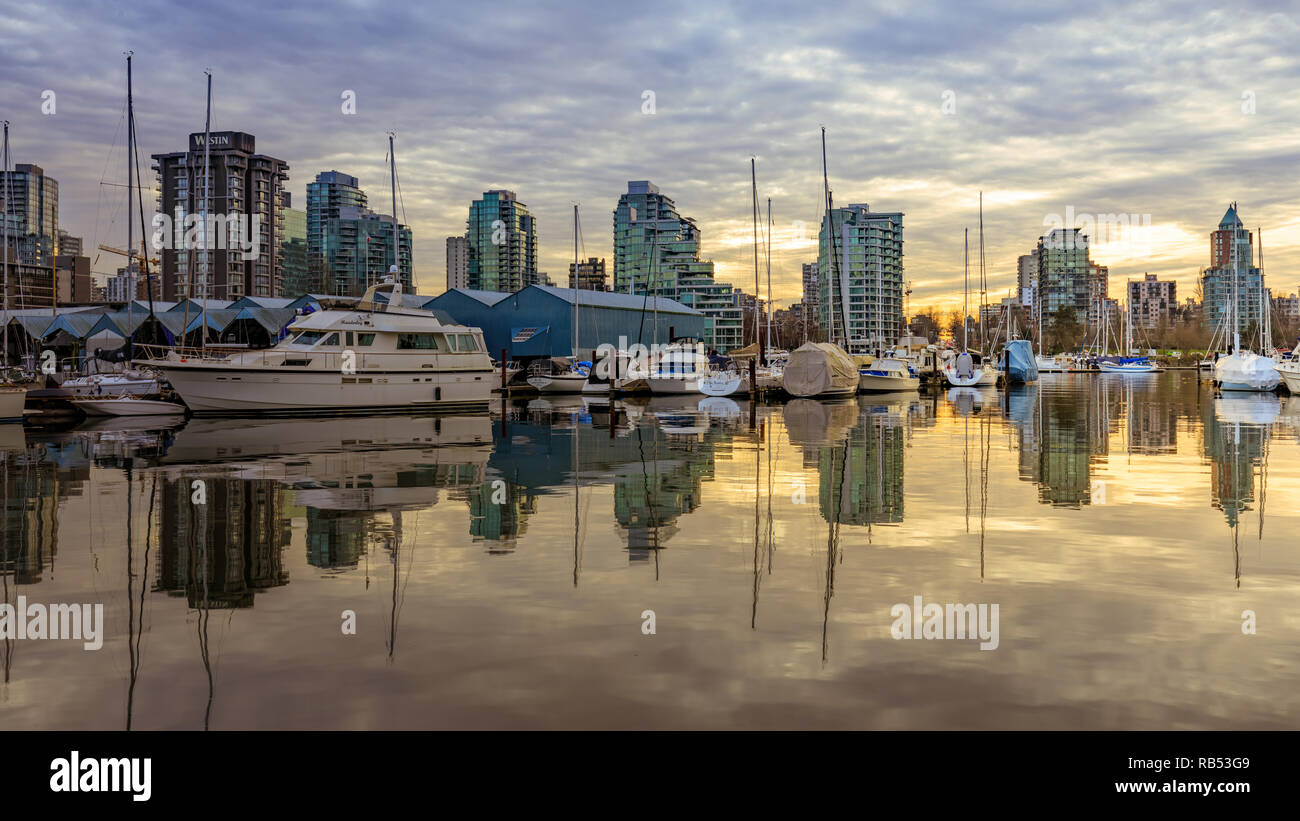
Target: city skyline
x,y
921,115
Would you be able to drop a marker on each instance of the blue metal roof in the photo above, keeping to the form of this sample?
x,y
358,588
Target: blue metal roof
x,y
609,299
488,298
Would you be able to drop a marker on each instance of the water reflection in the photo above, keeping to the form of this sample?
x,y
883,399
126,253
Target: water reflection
x,y
518,550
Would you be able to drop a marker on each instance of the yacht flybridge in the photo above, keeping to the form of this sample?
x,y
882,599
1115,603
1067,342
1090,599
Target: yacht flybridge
x,y
378,356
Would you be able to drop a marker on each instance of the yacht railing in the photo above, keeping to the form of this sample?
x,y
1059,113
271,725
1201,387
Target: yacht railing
x,y
358,360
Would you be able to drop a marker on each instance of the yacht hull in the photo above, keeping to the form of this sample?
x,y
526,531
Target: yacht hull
x,y
562,383
128,407
869,383
673,386
216,390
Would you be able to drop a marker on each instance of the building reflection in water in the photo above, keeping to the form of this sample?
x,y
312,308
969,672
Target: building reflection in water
x,y
1061,438
222,560
857,447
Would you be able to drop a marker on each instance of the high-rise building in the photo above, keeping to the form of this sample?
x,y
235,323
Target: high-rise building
x,y
32,209
1227,267
68,244
1287,307
72,279
1026,279
502,239
1151,301
246,189
127,285
296,276
457,262
657,251
861,297
590,275
30,286
1065,277
357,247
330,191
811,291
1100,305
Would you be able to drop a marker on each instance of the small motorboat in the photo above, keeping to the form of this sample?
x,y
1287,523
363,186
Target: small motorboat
x,y
128,405
558,375
1051,364
1134,365
961,371
887,374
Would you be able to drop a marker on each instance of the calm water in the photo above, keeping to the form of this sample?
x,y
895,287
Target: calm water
x,y
498,568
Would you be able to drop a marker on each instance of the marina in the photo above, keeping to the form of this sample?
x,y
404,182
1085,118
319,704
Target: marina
x,y
500,564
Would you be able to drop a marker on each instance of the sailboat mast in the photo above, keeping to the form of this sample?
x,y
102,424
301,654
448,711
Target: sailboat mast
x,y
831,253
965,289
1236,315
982,283
207,190
1265,299
758,315
768,257
575,284
139,190
130,157
397,239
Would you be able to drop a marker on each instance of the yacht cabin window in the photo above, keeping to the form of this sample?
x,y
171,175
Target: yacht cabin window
x,y
417,342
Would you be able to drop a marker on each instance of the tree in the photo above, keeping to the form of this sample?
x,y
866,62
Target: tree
x,y
1066,330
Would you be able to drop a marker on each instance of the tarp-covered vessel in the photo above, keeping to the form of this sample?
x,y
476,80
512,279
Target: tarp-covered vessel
x,y
820,369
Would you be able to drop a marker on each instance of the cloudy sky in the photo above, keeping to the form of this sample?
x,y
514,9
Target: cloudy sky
x,y
1161,112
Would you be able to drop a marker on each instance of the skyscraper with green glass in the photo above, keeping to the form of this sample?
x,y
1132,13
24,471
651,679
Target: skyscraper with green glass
x,y
502,239
330,191
357,246
860,297
293,242
657,251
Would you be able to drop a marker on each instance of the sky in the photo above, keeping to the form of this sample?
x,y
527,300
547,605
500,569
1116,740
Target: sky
x,y
1162,114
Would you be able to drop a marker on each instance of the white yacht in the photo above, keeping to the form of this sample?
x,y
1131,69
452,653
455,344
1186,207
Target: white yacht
x,y
378,356
678,369
887,374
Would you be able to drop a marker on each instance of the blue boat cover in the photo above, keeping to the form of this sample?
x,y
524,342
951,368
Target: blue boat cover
x,y
1020,363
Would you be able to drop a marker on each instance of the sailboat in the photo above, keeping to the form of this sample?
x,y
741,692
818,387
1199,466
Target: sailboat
x,y
961,371
1242,370
1125,363
730,380
555,375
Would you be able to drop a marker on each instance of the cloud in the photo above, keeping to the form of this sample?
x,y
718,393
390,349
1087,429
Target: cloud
x,y
1110,108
